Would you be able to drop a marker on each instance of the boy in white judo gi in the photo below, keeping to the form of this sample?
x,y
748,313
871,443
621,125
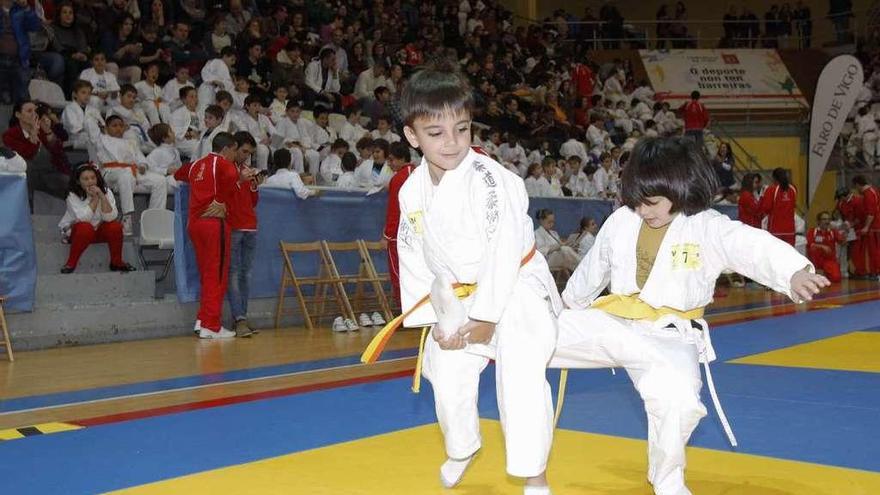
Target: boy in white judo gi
x,y
464,221
660,256
81,119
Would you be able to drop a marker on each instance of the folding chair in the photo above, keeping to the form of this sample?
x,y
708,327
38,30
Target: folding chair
x,y
374,250
157,232
6,341
314,305
369,296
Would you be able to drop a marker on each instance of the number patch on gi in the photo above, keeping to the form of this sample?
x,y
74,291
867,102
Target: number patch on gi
x,y
415,219
686,257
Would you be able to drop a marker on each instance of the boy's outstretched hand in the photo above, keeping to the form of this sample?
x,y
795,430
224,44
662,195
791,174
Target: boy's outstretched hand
x,y
804,285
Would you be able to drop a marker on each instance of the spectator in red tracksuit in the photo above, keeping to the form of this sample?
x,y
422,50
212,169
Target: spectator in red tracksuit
x,y
852,208
398,156
212,181
822,243
778,203
749,211
696,118
870,231
582,80
242,219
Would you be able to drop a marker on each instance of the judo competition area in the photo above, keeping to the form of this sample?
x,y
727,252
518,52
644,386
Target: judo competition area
x,y
292,411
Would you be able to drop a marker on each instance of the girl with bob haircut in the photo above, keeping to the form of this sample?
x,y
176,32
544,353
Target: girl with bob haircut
x,y
465,238
660,257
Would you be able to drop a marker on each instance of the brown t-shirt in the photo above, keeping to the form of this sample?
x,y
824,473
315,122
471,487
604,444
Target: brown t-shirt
x,y
647,247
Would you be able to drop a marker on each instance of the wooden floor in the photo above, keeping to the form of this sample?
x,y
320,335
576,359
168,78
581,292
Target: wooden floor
x,y
211,366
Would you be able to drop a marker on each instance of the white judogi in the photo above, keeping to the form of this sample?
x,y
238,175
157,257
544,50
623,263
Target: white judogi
x,y
367,82
582,185
138,126
613,89
347,181
331,169
352,133
288,179
662,357
316,81
183,120
171,92
215,76
606,183
368,176
597,138
474,228
515,155
622,120
866,129
121,150
101,83
558,255
573,147
80,210
288,131
584,242
15,164
643,93
535,187
148,96
389,136
160,160
551,186
83,126
277,110
206,140
260,128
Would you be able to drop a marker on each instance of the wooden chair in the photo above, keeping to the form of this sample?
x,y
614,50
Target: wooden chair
x,y
313,306
369,295
373,249
6,341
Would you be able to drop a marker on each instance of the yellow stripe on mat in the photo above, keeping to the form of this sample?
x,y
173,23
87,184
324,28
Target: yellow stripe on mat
x,y
36,430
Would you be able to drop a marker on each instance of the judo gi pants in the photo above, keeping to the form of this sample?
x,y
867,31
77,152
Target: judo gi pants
x,y
664,369
524,340
211,241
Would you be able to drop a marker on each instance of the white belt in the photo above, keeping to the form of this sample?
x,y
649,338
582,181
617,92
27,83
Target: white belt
x,y
703,341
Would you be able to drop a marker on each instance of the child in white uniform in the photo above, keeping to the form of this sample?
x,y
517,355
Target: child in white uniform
x,y
660,257
464,220
82,120
163,161
287,178
187,124
290,135
150,96
105,88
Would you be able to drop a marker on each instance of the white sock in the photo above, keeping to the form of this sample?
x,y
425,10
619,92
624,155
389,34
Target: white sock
x,y
536,490
452,471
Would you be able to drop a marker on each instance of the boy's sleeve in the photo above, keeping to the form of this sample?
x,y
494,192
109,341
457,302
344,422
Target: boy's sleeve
x,y
756,253
415,277
501,208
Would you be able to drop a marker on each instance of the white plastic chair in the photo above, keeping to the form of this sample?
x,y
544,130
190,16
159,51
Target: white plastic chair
x,y
157,232
337,120
47,92
308,115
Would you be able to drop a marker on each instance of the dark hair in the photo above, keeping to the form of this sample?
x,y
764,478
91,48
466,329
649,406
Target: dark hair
x,y
382,145
364,142
319,111
216,111
13,120
292,103
748,182
222,141
431,93
227,51
585,222
819,215
112,118
158,133
859,180
223,95
80,84
74,185
695,95
543,213
185,91
349,111
127,88
673,168
339,143
378,91
326,52
252,99
399,150
780,175
243,137
281,158
349,161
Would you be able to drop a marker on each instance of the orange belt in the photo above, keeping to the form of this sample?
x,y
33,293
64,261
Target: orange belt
x,y
129,166
377,345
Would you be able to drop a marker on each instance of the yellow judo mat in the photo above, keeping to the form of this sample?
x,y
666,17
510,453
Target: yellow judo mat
x,y
407,462
856,351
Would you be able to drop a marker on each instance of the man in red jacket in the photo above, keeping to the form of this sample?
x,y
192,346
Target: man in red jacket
x,y
213,180
822,243
870,231
397,160
852,208
243,222
696,118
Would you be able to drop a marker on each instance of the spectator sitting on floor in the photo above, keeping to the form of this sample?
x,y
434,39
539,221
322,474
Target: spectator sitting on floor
x,y
91,218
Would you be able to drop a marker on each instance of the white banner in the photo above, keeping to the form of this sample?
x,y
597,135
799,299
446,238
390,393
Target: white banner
x,y
727,79
839,84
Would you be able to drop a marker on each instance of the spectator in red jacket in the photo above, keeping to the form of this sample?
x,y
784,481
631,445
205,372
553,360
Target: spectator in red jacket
x,y
243,222
213,181
749,212
696,118
36,138
398,156
778,204
822,243
852,209
870,229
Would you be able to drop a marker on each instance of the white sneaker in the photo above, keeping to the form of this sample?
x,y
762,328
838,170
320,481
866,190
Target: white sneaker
x,y
223,333
365,320
378,321
197,327
127,228
351,326
339,325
